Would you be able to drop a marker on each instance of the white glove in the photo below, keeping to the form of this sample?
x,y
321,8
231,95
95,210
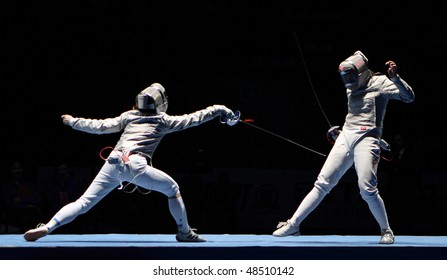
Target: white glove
x,y
234,119
230,118
227,116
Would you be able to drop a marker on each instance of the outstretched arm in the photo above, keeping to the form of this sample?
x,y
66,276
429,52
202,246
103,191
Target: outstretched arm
x,y
176,123
94,126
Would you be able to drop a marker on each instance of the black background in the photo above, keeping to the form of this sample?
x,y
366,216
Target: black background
x,y
91,58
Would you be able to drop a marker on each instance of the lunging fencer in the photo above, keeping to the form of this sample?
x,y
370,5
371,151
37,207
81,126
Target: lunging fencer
x,y
130,160
358,143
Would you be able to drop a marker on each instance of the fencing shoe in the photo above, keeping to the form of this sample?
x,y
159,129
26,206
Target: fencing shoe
x,y
33,234
387,237
286,229
190,236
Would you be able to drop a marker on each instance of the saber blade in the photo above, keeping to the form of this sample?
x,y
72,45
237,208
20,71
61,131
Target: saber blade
x,y
279,136
310,80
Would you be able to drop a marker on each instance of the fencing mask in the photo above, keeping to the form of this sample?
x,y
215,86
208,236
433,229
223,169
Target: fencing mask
x,y
152,99
354,71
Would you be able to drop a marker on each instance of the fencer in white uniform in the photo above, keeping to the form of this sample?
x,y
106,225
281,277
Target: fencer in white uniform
x,y
358,143
130,161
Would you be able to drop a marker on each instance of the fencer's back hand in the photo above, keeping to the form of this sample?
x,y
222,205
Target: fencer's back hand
x,y
66,119
392,68
332,134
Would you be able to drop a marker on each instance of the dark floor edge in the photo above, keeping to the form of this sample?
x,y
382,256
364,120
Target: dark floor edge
x,y
224,253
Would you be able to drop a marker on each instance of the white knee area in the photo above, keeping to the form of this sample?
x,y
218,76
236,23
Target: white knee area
x,y
173,192
323,188
85,204
175,196
369,195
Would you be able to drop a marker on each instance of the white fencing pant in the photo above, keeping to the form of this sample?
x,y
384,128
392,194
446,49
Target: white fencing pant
x,y
111,175
365,156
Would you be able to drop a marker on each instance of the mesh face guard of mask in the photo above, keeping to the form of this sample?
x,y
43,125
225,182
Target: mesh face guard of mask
x,y
354,71
152,100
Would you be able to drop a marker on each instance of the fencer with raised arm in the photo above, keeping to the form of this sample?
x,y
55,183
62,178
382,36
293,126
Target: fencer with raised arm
x,y
142,128
358,143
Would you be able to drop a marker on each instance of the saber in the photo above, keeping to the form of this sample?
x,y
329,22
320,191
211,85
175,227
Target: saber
x,y
279,136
